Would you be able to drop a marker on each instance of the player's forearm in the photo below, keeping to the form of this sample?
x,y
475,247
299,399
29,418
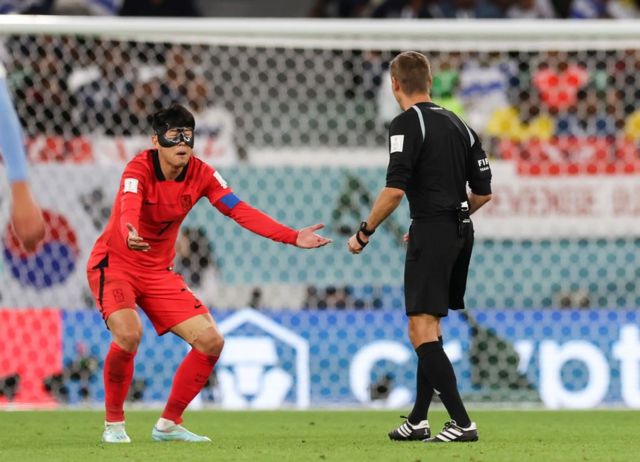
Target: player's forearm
x,y
129,213
11,143
476,201
26,216
262,224
387,201
20,191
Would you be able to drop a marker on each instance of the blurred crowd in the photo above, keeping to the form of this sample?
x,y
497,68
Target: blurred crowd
x,y
575,97
68,86
478,9
444,9
71,86
174,8
104,87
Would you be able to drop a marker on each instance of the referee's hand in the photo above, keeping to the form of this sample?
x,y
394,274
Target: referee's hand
x,y
308,239
353,245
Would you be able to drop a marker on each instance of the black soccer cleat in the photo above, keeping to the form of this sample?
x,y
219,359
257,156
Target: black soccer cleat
x,y
452,433
410,432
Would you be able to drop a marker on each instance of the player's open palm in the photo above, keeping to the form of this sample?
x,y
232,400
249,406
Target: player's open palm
x,y
134,241
308,239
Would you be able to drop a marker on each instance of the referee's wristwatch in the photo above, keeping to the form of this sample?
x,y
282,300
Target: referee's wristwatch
x,y
367,232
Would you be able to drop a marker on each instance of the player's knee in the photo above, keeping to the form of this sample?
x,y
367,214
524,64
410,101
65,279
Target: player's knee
x,y
210,342
129,339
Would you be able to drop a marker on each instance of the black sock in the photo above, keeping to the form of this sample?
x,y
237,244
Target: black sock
x,y
424,394
439,372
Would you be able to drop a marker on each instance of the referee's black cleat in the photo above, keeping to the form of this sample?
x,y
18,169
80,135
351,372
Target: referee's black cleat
x,y
452,433
410,432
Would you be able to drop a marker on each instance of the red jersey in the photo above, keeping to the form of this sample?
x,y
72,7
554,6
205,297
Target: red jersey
x,y
156,207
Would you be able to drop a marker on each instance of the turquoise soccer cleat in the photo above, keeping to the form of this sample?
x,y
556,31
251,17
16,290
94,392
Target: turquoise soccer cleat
x,y
115,433
177,433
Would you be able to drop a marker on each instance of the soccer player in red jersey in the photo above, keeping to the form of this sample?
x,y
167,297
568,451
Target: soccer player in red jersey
x,y
132,263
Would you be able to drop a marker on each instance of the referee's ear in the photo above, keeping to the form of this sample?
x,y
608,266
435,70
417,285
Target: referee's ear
x,y
395,85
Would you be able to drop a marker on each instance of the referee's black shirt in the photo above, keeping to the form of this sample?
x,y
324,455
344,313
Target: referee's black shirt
x,y
433,155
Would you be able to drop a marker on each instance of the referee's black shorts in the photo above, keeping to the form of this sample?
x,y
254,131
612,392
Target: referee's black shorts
x,y
435,272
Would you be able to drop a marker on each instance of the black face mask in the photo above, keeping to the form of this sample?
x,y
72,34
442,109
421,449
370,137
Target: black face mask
x,y
176,140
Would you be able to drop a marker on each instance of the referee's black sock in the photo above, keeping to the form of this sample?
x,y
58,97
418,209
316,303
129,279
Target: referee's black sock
x,y
439,371
424,394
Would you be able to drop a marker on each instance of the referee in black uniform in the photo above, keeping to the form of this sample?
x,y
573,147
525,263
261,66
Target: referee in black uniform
x,y
433,156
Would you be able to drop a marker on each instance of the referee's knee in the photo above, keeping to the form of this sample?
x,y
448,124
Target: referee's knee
x,y
423,329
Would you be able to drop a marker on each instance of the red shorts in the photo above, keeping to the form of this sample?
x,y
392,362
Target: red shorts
x,y
162,294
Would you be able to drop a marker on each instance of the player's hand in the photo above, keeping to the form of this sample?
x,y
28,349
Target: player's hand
x,y
134,241
26,216
308,239
354,246
405,238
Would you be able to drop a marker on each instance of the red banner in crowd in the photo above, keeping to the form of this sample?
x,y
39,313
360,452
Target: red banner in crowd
x,y
573,156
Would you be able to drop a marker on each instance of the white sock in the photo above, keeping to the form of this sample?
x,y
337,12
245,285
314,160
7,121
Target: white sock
x,y
164,424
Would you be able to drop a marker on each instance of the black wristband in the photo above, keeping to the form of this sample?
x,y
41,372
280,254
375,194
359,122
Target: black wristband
x,y
362,243
364,230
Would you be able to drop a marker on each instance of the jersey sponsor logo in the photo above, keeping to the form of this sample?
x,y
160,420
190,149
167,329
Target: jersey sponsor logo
x,y
483,164
396,143
186,202
221,180
130,185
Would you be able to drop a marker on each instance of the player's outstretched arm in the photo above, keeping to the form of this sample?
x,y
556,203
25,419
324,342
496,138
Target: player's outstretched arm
x,y
308,239
262,224
26,216
11,142
256,221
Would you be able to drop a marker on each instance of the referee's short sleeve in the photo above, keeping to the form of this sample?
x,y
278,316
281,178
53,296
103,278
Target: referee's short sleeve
x,y
479,169
405,142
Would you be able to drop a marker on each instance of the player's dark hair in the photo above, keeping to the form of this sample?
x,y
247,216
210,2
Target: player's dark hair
x,y
412,71
174,116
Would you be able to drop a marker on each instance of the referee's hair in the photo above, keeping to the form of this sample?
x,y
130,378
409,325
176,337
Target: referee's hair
x,y
412,71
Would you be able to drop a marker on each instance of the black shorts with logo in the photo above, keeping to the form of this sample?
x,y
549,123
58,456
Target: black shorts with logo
x,y
435,272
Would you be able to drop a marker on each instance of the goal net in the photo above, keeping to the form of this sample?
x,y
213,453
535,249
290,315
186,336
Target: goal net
x,y
294,114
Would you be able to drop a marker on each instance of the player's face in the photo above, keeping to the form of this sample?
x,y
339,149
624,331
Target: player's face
x,y
179,154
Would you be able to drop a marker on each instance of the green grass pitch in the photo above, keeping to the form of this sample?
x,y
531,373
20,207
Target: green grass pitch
x,y
324,436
